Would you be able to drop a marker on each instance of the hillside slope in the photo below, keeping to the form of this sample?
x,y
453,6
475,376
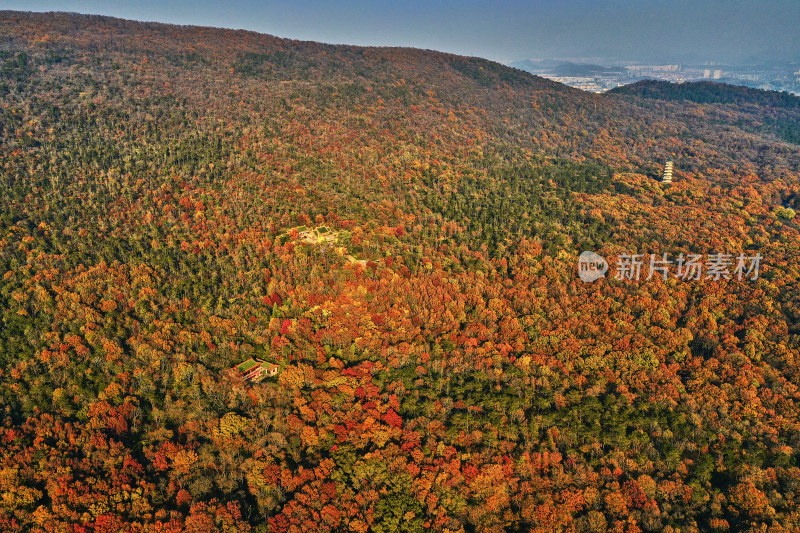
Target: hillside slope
x,y
709,92
399,231
770,111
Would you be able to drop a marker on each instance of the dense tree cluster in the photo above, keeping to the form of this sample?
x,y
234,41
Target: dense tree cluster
x,y
443,368
771,112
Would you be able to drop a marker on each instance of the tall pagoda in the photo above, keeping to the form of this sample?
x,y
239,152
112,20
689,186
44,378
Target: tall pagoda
x,y
666,177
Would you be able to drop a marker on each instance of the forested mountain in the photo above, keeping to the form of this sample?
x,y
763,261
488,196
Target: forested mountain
x,y
773,111
399,230
709,92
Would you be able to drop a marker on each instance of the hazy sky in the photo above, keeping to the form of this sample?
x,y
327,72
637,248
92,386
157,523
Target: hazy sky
x,y
645,30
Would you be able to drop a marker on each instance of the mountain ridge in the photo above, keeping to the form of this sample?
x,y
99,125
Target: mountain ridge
x,y
708,92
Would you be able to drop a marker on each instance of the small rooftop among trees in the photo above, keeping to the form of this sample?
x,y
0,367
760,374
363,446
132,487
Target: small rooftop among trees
x,y
255,370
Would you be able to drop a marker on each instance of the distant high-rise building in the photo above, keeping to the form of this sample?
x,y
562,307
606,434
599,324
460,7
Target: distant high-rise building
x,y
666,177
717,74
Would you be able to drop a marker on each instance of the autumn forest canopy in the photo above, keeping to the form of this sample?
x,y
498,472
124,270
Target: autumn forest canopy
x,y
397,230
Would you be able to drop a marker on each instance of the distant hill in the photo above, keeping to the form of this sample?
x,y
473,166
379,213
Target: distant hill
x,y
564,68
585,69
708,92
780,111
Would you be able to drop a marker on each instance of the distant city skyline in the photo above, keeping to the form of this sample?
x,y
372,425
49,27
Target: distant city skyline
x,y
681,31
